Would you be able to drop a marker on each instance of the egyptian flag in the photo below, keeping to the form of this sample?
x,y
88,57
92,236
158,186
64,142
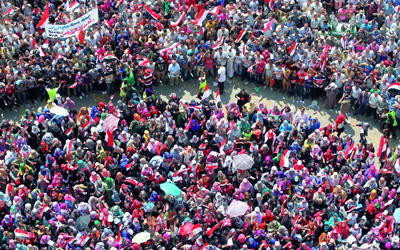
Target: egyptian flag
x,y
217,98
197,228
21,234
382,150
10,11
292,49
70,146
177,173
200,17
174,24
166,207
343,41
132,181
189,123
110,135
86,125
211,231
278,42
44,209
129,165
46,44
150,11
85,238
203,121
231,126
284,162
204,246
212,166
81,37
207,92
241,35
41,52
73,86
277,148
397,8
169,48
271,4
235,7
393,86
201,31
58,57
45,17
144,62
109,57
221,148
346,154
300,196
323,64
353,208
269,25
216,10
69,131
296,219
74,6
219,43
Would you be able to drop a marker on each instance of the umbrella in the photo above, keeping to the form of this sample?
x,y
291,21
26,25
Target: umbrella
x,y
170,188
110,123
59,111
237,208
186,229
242,162
141,238
396,215
394,88
156,161
82,222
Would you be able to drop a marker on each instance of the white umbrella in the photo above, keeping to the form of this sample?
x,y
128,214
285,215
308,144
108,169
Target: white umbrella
x,y
141,238
59,111
242,162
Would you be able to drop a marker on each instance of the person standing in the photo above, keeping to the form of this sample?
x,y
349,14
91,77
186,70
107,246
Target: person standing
x,y
221,77
173,69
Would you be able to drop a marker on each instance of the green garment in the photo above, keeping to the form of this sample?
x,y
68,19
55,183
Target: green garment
x,y
97,225
203,86
109,184
134,127
103,116
247,135
167,7
393,114
331,221
52,93
130,79
244,127
372,91
102,155
277,159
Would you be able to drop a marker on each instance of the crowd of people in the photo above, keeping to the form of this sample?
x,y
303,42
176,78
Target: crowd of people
x,y
152,174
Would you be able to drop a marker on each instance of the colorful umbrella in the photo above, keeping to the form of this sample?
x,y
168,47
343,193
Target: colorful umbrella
x,y
110,123
141,238
237,208
170,188
186,229
242,162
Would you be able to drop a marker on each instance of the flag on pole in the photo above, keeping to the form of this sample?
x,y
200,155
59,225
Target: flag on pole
x,y
200,17
343,41
174,24
382,150
69,131
72,7
86,125
152,13
80,36
292,49
207,92
210,232
350,181
284,161
45,17
346,154
218,98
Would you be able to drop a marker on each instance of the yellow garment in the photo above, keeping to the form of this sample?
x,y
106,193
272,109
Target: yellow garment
x,y
146,135
373,195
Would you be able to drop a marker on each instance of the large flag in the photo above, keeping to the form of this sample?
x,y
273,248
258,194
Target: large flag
x,y
292,49
45,17
210,232
219,43
200,17
284,162
346,154
109,57
343,41
271,4
207,92
196,229
383,147
394,86
150,11
21,234
174,24
10,11
218,98
216,10
132,181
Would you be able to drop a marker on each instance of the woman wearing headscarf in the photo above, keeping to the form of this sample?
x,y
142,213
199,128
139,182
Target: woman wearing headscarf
x,y
313,125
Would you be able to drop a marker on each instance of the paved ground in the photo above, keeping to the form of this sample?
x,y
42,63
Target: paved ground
x,y
188,90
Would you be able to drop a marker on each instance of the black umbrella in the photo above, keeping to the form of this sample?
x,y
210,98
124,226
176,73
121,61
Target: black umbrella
x,y
82,222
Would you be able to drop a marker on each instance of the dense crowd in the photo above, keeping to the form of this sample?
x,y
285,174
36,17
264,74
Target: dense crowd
x,y
151,174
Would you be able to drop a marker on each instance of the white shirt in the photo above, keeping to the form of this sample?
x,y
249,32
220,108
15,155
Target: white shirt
x,y
222,74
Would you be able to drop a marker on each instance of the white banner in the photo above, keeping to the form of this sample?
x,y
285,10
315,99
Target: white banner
x,y
73,28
